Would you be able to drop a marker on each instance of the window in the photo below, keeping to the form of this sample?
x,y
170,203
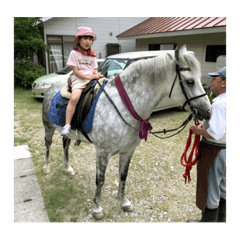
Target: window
x,y
60,48
112,48
154,47
161,46
55,57
213,51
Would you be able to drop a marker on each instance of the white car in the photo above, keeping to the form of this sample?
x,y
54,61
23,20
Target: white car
x,y
40,85
115,64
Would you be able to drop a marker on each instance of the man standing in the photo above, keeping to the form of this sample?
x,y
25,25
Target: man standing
x,y
211,163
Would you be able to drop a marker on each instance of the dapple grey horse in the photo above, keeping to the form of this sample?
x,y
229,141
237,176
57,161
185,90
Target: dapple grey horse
x,y
146,82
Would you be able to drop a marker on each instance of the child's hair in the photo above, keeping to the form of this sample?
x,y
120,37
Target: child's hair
x,y
79,37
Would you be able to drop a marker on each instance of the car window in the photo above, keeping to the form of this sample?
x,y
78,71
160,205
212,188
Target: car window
x,y
112,67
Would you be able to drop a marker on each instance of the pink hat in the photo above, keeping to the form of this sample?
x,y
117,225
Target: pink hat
x,y
85,31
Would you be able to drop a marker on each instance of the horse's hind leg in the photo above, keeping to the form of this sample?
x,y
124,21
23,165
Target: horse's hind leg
x,y
49,131
66,143
124,162
101,165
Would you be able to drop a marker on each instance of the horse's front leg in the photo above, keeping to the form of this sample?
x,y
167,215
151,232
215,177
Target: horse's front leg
x,y
125,159
66,143
101,165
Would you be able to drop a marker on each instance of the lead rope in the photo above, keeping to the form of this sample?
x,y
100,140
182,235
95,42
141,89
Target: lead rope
x,y
188,161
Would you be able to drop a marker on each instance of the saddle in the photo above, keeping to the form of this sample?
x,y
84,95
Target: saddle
x,y
84,104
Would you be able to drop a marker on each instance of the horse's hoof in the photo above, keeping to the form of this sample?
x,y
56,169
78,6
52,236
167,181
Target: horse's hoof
x,y
127,206
46,170
98,213
71,173
98,216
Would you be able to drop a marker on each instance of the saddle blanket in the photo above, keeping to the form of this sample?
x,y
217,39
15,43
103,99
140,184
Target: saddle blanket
x,y
58,115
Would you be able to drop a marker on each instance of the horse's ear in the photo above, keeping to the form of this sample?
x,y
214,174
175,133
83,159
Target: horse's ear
x,y
177,52
183,49
180,51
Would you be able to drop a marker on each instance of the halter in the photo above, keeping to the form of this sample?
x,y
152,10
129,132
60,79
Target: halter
x,y
178,70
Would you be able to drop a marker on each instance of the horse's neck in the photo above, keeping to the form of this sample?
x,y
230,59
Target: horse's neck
x,y
145,89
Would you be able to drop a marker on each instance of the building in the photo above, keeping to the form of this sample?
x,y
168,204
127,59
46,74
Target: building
x,y
59,34
206,36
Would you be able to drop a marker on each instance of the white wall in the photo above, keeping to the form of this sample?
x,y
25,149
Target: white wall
x,y
196,43
101,26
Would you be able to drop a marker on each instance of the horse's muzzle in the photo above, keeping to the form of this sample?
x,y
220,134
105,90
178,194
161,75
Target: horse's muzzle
x,y
208,114
201,115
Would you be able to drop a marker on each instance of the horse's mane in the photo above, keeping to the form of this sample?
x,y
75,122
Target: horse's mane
x,y
162,64
193,63
157,65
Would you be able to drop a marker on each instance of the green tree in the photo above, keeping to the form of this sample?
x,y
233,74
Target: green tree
x,y
28,41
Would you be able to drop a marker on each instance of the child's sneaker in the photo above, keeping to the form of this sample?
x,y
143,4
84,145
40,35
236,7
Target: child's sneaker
x,y
66,130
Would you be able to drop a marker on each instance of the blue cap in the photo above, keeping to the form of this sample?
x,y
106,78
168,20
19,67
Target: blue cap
x,y
221,72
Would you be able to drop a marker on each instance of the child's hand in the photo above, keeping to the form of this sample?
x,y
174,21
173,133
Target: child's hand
x,y
94,76
100,75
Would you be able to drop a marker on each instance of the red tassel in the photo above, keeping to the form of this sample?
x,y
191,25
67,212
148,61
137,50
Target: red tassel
x,y
188,161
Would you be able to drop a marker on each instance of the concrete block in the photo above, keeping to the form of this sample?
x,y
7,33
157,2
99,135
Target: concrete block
x,y
21,152
23,167
28,201
31,211
26,188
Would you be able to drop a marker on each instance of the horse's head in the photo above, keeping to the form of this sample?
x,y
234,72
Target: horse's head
x,y
187,88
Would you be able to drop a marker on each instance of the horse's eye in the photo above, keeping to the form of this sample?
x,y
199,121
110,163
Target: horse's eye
x,y
190,82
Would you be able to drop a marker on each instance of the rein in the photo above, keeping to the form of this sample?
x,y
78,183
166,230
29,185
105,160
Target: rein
x,y
184,124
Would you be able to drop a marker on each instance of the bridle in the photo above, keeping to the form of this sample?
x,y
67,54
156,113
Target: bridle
x,y
188,101
178,70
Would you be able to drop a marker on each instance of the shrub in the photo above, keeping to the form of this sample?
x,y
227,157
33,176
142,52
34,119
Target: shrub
x,y
28,40
25,73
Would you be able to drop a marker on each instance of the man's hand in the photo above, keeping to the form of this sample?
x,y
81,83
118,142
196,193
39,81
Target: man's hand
x,y
198,130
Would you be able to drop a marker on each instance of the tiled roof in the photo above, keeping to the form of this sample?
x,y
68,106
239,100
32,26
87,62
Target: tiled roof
x,y
169,24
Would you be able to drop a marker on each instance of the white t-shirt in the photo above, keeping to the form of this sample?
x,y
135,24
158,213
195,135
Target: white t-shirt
x,y
216,126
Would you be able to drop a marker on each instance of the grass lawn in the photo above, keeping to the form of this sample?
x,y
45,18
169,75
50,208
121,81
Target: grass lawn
x,y
155,184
